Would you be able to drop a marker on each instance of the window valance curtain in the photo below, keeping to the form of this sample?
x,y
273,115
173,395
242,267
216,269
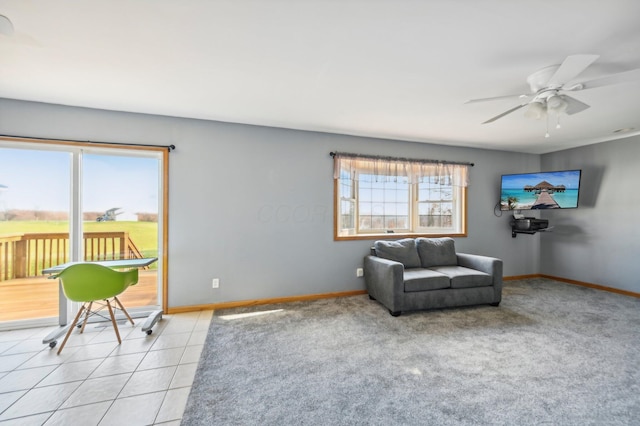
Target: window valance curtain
x,y
388,169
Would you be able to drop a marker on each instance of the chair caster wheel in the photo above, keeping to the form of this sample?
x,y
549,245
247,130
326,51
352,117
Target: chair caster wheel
x,y
53,344
149,332
79,325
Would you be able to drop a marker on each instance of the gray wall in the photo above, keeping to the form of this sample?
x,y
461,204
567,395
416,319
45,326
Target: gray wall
x,y
253,206
598,242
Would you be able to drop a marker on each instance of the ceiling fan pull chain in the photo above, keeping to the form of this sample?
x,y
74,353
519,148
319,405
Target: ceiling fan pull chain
x,y
546,135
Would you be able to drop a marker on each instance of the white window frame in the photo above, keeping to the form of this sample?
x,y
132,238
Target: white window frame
x,y
458,214
383,230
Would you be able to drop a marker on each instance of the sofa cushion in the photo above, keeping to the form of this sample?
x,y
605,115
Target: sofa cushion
x,y
436,252
419,279
403,251
462,277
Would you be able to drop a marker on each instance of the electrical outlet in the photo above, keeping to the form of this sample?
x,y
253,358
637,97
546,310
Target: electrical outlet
x,y
215,283
359,272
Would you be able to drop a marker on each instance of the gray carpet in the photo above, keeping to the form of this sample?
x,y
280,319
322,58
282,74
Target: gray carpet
x,y
552,353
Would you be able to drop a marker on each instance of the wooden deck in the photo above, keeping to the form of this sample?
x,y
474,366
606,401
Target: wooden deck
x,y
545,201
30,298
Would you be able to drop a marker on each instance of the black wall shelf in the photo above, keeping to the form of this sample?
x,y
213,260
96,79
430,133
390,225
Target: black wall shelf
x,y
528,225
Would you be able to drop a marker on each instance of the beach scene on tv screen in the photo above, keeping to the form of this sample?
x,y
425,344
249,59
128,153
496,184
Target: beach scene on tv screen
x,y
545,190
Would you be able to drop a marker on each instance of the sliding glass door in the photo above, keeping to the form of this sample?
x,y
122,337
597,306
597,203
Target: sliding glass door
x,y
61,203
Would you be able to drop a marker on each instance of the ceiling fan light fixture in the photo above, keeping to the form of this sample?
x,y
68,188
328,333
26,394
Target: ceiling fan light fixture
x,y
556,104
549,86
536,110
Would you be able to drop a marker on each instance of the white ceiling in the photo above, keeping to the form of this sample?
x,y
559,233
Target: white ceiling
x,y
382,68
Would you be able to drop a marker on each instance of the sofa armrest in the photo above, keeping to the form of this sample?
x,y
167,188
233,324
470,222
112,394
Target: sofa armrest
x,y
384,279
486,264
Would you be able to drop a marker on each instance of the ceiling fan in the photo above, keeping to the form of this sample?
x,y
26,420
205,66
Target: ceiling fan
x,y
549,86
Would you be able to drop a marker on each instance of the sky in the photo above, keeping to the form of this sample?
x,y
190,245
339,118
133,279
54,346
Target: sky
x,y
570,179
40,180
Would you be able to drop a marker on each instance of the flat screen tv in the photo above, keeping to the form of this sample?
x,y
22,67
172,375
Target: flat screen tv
x,y
542,190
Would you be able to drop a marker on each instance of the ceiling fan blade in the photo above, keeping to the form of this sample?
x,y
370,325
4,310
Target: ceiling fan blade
x,y
623,77
573,105
495,98
570,68
6,26
491,120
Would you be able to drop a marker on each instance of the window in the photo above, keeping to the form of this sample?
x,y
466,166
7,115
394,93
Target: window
x,y
379,196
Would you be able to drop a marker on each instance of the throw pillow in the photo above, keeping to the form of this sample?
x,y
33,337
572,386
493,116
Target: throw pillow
x,y
403,251
436,252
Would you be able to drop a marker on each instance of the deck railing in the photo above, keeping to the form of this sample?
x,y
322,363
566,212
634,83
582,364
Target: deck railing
x,y
26,255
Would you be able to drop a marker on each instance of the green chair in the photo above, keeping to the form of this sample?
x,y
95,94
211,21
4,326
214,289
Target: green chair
x,y
94,284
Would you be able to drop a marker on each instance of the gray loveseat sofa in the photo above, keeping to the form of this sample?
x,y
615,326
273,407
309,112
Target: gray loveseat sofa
x,y
427,273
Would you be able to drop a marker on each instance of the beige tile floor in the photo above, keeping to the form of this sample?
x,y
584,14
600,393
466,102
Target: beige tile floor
x,y
94,381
